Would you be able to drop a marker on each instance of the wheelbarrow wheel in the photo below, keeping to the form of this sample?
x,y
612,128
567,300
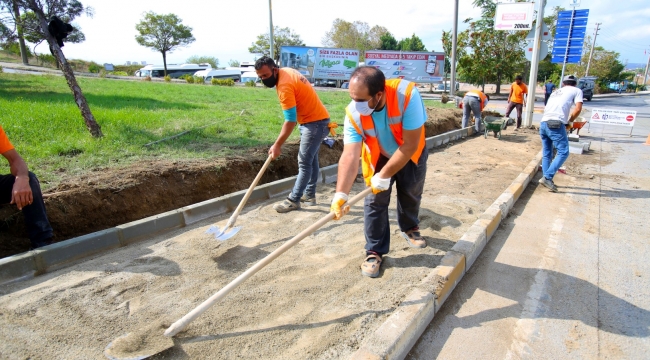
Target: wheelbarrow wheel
x,y
486,133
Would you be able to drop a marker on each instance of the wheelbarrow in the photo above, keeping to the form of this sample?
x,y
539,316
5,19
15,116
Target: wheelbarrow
x,y
495,124
578,124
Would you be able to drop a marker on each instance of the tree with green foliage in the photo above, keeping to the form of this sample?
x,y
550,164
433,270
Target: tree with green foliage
x,y
34,34
354,35
43,11
605,65
388,42
414,43
281,37
495,56
163,33
195,59
461,43
233,63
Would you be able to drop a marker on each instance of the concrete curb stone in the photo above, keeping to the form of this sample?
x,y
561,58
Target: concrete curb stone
x,y
397,335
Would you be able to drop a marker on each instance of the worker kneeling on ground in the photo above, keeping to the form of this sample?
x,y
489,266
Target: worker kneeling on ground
x,y
474,101
384,124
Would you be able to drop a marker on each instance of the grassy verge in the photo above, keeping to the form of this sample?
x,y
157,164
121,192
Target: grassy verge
x,y
44,124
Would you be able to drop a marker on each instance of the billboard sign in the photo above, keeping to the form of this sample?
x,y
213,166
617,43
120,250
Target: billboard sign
x,y
320,63
421,67
514,16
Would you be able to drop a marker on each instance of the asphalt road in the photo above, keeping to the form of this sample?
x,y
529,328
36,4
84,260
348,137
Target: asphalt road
x,y
567,274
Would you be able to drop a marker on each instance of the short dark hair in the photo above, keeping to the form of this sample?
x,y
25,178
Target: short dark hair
x,y
265,60
487,96
519,77
370,76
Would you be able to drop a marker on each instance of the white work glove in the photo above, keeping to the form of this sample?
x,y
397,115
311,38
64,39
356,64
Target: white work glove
x,y
339,205
378,184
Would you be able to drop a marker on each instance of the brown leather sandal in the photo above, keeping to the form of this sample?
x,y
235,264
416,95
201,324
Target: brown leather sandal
x,y
371,265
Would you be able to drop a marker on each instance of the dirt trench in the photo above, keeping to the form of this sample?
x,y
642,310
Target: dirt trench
x,y
106,198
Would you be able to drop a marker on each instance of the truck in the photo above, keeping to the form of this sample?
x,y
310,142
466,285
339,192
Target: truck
x,y
587,85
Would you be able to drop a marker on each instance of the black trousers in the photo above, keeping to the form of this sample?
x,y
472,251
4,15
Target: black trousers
x,y
38,227
546,96
409,183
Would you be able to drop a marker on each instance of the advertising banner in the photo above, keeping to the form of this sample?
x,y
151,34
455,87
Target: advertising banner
x,y
320,63
335,64
421,67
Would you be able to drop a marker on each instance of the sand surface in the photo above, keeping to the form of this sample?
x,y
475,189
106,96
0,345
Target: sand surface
x,y
310,303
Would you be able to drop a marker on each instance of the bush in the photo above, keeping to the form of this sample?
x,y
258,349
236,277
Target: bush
x,y
94,68
147,78
250,83
14,48
223,82
198,80
168,78
46,59
129,69
0,69
119,73
189,79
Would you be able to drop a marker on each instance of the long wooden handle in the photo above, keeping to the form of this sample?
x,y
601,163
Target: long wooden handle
x,y
243,201
179,325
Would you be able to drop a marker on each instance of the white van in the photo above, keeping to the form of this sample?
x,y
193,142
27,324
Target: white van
x,y
210,74
250,76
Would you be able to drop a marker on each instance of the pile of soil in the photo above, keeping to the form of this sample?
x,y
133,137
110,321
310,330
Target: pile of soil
x,y
309,303
109,197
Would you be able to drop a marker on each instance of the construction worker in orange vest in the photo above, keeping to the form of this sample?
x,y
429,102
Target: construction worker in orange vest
x,y
474,101
384,124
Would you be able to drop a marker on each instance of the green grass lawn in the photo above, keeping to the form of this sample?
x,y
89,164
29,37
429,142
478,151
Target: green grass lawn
x,y
44,124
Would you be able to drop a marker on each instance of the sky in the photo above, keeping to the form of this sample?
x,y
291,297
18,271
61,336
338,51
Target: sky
x,y
225,29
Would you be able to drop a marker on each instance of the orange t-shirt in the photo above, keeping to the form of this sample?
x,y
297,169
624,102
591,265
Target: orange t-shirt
x,y
518,92
294,90
5,144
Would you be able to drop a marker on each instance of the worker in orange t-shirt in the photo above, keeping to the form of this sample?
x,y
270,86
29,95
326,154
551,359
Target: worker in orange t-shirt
x,y
301,105
516,98
22,188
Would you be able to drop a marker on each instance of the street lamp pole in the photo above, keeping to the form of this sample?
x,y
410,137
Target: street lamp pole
x,y
271,29
454,43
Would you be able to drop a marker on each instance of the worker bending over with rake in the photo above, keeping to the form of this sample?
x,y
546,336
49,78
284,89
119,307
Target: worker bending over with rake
x,y
384,124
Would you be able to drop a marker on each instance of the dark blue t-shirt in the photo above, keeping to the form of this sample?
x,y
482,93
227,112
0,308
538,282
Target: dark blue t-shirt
x,y
549,87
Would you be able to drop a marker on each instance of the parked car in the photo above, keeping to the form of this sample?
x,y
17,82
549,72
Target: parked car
x,y
324,82
446,86
587,85
345,85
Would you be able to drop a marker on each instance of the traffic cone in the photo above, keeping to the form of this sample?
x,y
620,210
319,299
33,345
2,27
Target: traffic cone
x,y
647,141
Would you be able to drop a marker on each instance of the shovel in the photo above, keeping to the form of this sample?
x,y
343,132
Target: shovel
x,y
225,234
150,341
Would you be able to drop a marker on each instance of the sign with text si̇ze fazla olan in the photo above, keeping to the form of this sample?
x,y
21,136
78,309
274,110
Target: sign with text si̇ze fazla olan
x,y
335,64
514,16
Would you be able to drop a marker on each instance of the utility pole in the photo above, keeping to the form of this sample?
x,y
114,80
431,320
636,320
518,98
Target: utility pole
x,y
534,65
271,29
593,45
454,41
645,75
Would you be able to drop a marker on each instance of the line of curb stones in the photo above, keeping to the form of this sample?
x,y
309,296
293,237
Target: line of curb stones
x,y
52,257
397,335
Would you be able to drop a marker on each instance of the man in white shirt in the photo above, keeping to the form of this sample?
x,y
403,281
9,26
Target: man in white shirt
x,y
552,128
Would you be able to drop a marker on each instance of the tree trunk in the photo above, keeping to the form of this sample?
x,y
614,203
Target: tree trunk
x,y
164,54
498,90
21,39
79,98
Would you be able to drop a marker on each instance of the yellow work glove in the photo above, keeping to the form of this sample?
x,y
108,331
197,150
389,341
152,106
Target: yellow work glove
x,y
339,205
332,126
378,184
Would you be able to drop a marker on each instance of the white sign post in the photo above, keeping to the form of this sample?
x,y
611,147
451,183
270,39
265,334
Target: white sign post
x,y
613,117
514,16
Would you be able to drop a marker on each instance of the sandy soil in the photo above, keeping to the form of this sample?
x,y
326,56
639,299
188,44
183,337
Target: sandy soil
x,y
311,303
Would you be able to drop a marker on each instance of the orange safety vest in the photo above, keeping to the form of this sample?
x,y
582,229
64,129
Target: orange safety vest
x,y
398,95
480,95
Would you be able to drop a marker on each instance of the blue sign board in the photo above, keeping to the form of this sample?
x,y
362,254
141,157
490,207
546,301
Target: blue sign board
x,y
570,31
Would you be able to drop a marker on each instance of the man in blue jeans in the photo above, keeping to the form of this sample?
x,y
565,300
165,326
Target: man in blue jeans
x,y
299,104
552,128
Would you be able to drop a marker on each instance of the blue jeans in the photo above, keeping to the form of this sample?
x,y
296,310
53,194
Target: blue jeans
x,y
38,227
551,137
409,185
311,136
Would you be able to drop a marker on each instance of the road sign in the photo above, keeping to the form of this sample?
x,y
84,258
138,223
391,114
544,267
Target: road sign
x,y
569,59
570,31
574,3
613,117
514,16
546,34
543,51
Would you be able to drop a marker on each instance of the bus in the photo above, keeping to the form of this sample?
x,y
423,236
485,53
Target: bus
x,y
210,74
173,70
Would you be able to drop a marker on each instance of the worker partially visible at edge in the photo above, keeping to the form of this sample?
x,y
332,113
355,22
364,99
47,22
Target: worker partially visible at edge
x,y
474,101
22,189
552,128
384,124
516,98
301,105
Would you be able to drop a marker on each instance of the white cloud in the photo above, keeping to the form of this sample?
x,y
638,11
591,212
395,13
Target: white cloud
x,y
225,29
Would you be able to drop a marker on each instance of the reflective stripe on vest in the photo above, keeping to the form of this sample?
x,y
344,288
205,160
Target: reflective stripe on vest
x,y
398,95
